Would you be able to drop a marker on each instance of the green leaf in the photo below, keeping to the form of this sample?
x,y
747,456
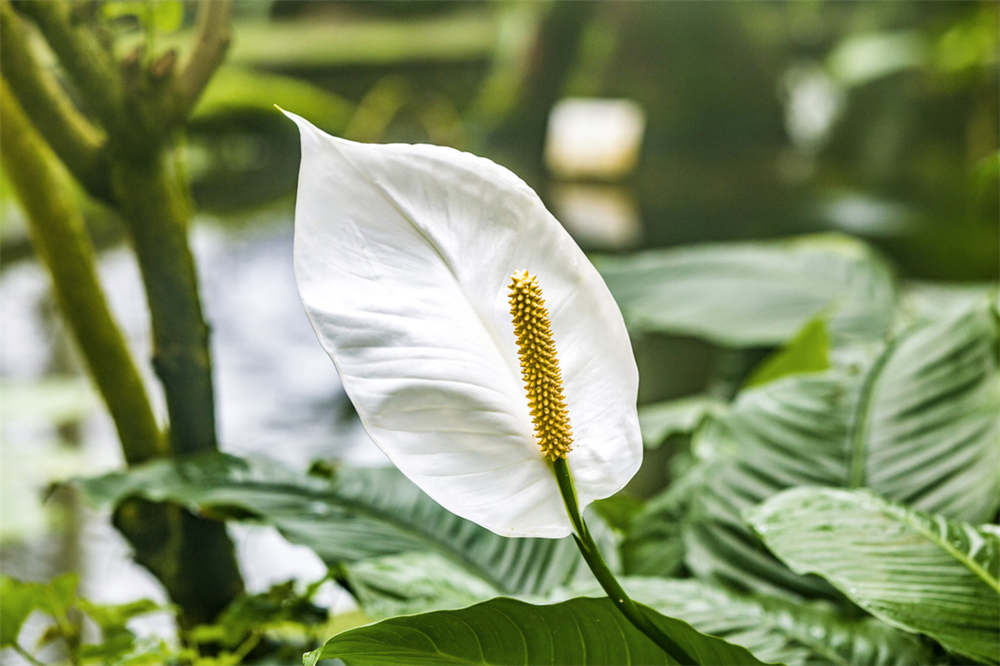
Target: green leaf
x,y
775,629
808,351
921,425
653,544
674,417
414,583
926,429
111,617
789,432
930,301
619,510
280,606
21,598
360,513
752,294
914,570
18,603
509,632
234,90
117,641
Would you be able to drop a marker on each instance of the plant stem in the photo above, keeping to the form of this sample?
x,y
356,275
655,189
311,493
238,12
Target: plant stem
x,y
92,68
588,548
153,205
132,101
209,49
58,234
79,144
27,655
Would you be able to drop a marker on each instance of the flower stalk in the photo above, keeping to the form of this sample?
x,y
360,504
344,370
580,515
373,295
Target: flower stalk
x,y
544,389
588,548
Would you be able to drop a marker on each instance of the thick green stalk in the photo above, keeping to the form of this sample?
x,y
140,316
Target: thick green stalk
x,y
91,66
153,204
57,232
192,557
210,47
591,554
74,139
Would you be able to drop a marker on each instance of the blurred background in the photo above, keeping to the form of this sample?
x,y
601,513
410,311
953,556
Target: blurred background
x,y
641,124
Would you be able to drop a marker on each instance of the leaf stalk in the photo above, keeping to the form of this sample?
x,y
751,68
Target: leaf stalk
x,y
588,548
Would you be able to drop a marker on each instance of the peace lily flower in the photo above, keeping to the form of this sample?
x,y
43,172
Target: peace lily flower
x,y
477,342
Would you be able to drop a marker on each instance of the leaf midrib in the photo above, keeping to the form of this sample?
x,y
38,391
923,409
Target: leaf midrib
x,y
861,417
930,535
437,544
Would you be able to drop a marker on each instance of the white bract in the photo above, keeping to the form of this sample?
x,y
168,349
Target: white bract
x,y
403,256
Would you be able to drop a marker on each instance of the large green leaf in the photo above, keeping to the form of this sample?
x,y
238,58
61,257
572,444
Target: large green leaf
x,y
929,301
921,425
786,433
926,429
915,570
410,583
775,629
760,293
358,514
508,632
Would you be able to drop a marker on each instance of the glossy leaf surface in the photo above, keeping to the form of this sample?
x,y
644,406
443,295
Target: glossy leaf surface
x,y
359,514
775,629
914,570
753,294
920,424
508,632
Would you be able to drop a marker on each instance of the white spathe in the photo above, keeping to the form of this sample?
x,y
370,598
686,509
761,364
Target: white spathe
x,y
403,256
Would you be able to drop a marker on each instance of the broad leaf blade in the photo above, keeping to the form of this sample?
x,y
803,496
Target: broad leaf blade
x,y
413,583
751,294
508,632
786,433
920,425
360,513
776,629
927,427
914,570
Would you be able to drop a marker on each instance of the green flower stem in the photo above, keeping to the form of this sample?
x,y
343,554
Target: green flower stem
x,y
26,655
610,584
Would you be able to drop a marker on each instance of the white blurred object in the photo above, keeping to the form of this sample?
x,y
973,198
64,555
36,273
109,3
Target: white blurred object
x,y
597,216
594,138
813,102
